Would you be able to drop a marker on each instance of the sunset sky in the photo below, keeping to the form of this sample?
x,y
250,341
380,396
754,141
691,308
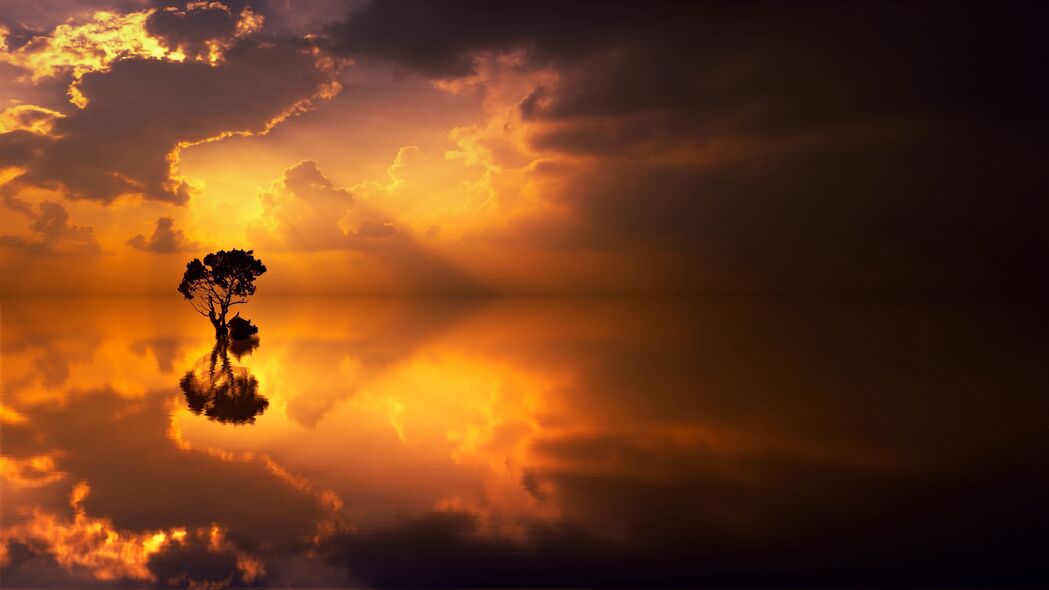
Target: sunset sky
x,y
575,293
419,147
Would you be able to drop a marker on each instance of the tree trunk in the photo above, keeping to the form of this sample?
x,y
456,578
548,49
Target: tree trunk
x,y
220,326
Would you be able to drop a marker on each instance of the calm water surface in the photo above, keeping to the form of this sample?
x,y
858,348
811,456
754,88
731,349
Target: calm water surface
x,y
536,442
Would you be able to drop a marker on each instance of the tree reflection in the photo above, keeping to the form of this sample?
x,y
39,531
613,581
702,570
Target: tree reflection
x,y
243,347
221,391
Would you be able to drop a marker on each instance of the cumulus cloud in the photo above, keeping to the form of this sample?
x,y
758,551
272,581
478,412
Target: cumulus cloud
x,y
303,211
51,231
165,238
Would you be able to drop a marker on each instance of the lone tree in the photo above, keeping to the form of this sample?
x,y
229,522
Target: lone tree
x,y
224,279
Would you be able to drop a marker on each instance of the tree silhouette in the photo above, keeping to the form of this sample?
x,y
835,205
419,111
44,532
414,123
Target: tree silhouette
x,y
222,280
241,347
221,391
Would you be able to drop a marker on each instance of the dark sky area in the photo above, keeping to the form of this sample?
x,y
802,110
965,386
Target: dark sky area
x,y
886,145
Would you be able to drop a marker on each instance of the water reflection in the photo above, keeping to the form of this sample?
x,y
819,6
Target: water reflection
x,y
221,391
242,347
408,443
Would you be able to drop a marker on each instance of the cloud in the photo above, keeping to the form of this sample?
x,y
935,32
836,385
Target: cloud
x,y
688,146
77,48
734,148
672,437
304,212
206,505
442,41
27,18
93,546
51,231
165,238
710,444
201,30
29,118
142,102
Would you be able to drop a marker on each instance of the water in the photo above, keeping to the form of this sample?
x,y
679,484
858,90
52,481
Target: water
x,y
525,442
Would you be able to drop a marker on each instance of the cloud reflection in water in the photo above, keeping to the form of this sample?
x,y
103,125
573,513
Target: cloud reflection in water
x,y
548,442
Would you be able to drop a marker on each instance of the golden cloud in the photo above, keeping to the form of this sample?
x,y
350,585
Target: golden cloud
x,y
93,545
27,117
92,46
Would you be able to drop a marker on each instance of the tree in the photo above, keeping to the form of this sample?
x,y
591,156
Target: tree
x,y
222,280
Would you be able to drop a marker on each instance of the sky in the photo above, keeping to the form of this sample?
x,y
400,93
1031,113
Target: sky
x,y
526,147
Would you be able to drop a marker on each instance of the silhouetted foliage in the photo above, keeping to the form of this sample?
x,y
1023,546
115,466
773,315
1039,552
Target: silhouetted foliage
x,y
221,391
241,329
222,280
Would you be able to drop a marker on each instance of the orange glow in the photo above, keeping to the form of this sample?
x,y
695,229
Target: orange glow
x,y
87,47
10,416
408,294
450,187
92,543
391,389
109,36
30,472
26,117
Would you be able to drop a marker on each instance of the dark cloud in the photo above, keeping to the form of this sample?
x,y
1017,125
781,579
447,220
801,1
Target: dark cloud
x,y
141,110
192,27
442,40
300,18
449,550
837,444
813,147
193,490
27,567
52,233
165,238
829,216
713,56
192,562
842,448
693,547
189,22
